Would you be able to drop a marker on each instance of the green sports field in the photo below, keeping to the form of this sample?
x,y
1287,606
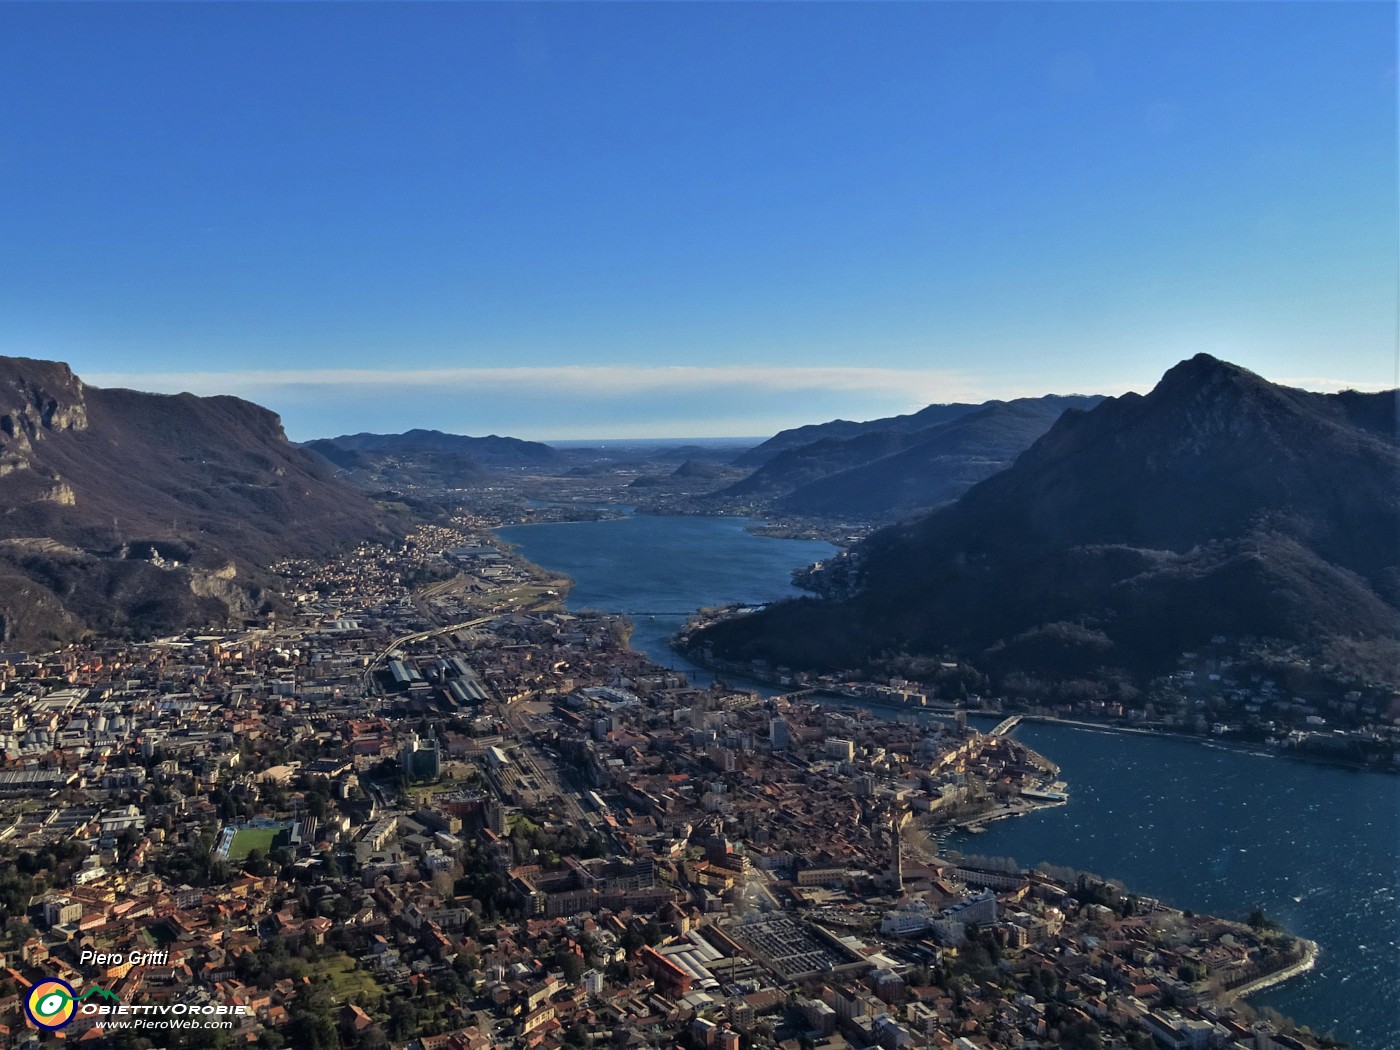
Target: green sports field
x,y
245,840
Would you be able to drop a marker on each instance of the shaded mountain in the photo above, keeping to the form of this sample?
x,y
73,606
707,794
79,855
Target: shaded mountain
x,y
698,469
845,429
800,465
102,491
1374,412
341,458
720,452
935,466
689,475
1218,504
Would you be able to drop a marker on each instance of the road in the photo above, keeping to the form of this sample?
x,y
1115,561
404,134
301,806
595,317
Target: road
x,y
417,636
420,636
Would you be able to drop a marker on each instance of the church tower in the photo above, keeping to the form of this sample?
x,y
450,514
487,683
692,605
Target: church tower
x,y
894,876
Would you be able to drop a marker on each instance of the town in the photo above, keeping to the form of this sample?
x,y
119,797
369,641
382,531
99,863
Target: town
x,y
423,805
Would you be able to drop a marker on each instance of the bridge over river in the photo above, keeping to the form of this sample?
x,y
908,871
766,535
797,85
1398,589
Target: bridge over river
x,y
1006,725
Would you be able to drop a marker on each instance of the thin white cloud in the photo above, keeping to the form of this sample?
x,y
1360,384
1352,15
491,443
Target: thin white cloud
x,y
915,385
584,401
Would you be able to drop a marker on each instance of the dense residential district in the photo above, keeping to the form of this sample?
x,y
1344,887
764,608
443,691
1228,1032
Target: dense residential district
x,y
429,808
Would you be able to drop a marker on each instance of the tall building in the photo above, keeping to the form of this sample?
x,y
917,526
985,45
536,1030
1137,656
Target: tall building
x,y
421,759
496,818
723,759
894,876
845,750
779,736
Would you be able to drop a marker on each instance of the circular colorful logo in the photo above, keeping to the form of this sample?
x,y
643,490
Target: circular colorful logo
x,y
50,1003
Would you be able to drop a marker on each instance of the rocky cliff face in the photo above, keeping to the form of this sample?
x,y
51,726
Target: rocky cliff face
x,y
37,398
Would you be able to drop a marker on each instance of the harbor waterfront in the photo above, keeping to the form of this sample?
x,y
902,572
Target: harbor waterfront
x,y
1207,829
1222,831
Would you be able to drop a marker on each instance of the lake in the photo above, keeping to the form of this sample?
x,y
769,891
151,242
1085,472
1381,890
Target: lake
x,y
648,565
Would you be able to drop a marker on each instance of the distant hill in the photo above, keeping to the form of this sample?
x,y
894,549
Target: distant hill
x,y
896,466
791,468
432,459
939,464
101,490
401,471
491,451
694,468
690,474
1218,504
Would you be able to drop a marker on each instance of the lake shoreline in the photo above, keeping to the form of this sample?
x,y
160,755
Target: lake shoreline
x,y
1259,750
1304,965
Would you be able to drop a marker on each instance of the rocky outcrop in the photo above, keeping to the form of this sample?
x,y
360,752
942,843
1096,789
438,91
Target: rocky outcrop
x,y
38,397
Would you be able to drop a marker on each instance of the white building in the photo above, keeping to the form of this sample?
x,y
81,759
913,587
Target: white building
x,y
845,750
980,909
910,918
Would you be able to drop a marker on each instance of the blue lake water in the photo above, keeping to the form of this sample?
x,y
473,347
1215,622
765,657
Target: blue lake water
x,y
1220,832
646,564
1211,830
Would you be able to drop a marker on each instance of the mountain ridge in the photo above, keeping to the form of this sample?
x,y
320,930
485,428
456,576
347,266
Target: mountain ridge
x,y
937,464
431,458
895,466
492,449
842,429
1219,503
126,484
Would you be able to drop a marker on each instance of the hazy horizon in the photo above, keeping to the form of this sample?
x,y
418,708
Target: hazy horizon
x,y
214,383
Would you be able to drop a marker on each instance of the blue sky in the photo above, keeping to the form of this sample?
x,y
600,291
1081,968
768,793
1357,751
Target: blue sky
x,y
692,219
